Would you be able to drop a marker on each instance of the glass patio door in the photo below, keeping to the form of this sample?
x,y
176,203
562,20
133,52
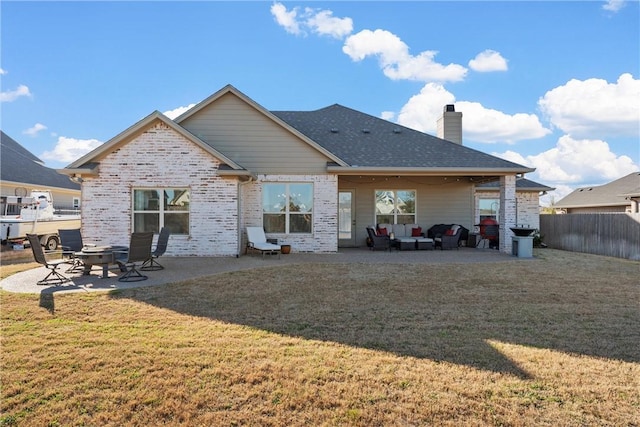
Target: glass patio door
x,y
346,219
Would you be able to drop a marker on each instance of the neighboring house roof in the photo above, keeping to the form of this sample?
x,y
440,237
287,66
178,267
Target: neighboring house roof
x,y
614,193
362,140
21,166
522,184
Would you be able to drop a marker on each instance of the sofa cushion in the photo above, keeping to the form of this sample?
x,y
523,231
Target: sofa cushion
x,y
399,230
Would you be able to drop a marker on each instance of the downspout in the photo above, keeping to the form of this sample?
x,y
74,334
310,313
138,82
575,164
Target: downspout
x,y
240,184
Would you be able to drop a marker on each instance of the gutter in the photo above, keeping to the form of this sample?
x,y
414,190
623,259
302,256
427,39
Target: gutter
x,y
371,170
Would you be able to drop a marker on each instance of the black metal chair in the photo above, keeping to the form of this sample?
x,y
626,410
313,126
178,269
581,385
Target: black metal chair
x,y
54,277
378,243
71,242
139,251
161,247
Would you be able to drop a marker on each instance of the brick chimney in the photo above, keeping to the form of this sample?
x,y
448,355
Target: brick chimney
x,y
450,125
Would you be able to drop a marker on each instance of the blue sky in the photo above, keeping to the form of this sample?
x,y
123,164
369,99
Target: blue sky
x,y
551,85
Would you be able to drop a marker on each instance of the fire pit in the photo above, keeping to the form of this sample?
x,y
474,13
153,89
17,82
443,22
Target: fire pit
x,y
522,231
522,242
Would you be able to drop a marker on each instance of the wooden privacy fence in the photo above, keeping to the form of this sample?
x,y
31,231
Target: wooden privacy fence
x,y
610,234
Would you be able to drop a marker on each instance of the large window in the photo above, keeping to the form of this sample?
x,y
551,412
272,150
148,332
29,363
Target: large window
x,y
157,208
287,207
395,206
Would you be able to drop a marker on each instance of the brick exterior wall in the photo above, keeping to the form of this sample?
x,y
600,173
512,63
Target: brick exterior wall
x,y
324,238
162,158
528,206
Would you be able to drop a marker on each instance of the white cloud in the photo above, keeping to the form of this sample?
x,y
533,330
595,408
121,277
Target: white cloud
x,y
68,150
3,72
172,114
321,22
488,60
12,95
613,5
595,108
480,124
575,161
286,19
33,131
324,23
396,61
388,115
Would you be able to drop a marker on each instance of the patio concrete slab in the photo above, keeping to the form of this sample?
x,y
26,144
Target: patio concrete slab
x,y
183,268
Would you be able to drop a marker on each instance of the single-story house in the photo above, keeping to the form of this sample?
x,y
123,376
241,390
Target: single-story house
x,y
21,172
312,179
619,196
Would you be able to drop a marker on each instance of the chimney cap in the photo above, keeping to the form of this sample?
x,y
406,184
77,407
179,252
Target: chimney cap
x,y
449,107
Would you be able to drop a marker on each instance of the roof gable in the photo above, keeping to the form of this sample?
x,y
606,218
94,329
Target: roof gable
x,y
190,114
90,159
366,141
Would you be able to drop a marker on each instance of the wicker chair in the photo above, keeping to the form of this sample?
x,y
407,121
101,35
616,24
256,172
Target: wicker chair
x,y
378,243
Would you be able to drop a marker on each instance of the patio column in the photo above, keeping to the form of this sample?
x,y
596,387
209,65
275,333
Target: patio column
x,y
508,213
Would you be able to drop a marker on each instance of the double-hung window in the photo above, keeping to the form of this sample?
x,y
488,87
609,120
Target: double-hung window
x,y
154,208
287,207
395,206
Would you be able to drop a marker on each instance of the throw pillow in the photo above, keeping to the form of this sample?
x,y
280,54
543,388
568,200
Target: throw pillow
x,y
449,232
416,232
382,232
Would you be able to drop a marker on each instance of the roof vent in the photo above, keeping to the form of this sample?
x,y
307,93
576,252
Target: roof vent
x,y
449,107
334,130
365,130
397,130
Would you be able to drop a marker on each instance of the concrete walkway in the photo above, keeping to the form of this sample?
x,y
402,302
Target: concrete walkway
x,y
182,268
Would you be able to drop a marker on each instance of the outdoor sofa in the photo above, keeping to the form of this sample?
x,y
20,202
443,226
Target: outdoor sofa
x,y
406,236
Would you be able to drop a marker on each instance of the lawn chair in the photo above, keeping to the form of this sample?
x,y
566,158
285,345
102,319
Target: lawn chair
x,y
54,277
71,242
139,251
256,240
161,247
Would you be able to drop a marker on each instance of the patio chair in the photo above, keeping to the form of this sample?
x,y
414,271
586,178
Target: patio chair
x,y
161,247
450,239
139,251
257,241
71,242
54,277
378,243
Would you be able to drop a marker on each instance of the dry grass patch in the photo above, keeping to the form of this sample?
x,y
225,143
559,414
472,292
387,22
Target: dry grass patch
x,y
552,341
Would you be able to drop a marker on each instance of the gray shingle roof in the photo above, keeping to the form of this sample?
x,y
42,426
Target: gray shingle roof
x,y
19,165
610,194
522,184
367,141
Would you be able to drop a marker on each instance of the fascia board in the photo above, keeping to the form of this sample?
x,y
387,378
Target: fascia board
x,y
357,170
